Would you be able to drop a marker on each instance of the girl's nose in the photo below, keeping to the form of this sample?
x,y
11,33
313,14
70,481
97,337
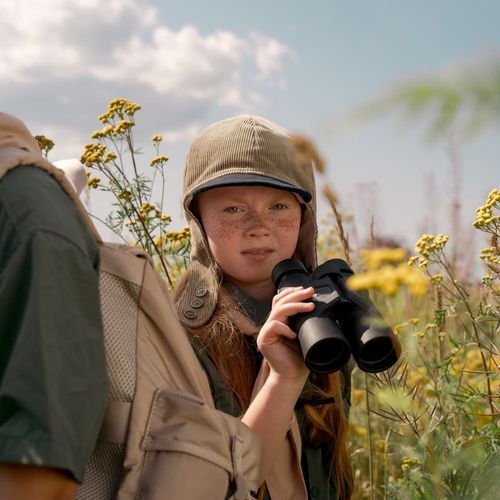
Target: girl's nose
x,y
257,225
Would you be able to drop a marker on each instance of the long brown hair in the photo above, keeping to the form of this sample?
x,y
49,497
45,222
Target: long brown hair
x,y
236,362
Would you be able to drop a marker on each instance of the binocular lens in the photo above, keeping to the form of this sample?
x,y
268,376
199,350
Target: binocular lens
x,y
327,356
378,354
323,345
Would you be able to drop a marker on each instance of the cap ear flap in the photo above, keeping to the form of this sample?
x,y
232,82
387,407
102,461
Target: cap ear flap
x,y
306,244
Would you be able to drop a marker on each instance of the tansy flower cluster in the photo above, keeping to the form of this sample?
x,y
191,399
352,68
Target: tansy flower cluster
x,y
110,131
93,154
119,108
159,161
485,219
117,119
44,143
388,279
490,255
373,259
410,463
426,246
173,236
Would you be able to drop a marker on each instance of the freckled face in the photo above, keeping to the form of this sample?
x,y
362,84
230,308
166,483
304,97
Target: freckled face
x,y
249,230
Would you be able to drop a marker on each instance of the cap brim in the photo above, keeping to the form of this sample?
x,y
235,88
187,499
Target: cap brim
x,y
251,180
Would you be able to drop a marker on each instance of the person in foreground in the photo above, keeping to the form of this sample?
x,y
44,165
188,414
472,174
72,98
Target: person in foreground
x,y
250,203
53,381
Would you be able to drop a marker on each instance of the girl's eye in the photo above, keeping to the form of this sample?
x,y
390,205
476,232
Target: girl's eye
x,y
232,210
279,206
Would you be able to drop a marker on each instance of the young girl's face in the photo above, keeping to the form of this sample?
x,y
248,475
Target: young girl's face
x,y
250,229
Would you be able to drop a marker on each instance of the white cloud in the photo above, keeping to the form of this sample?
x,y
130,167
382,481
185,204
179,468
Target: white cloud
x,y
269,54
124,42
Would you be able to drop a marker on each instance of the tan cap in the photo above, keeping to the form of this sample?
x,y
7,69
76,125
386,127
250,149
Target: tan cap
x,y
243,150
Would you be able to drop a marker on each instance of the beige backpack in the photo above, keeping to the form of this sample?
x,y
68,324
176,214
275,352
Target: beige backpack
x,y
161,437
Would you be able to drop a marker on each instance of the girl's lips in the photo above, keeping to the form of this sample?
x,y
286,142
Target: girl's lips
x,y
257,253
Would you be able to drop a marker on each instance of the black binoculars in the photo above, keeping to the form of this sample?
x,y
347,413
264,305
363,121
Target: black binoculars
x,y
342,323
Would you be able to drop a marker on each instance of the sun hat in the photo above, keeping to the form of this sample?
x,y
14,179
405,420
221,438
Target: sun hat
x,y
244,150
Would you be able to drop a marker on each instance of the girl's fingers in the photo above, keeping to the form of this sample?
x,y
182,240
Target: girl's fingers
x,y
293,293
275,329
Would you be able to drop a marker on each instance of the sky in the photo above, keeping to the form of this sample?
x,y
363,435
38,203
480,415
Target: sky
x,y
308,66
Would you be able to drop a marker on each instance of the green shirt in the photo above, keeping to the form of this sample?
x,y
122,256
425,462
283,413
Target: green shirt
x,y
315,462
53,382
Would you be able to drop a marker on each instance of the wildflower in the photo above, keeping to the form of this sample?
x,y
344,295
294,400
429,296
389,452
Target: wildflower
x,y
359,430
157,138
104,118
93,154
397,328
131,108
125,195
485,219
437,278
110,156
409,463
122,127
146,208
44,143
93,182
388,279
373,259
159,161
358,396
412,260
487,280
490,255
429,243
413,321
165,218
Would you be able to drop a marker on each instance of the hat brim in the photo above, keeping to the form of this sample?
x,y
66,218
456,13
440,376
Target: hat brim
x,y
251,180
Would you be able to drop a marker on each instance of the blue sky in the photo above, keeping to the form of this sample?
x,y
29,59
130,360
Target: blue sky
x,y
305,65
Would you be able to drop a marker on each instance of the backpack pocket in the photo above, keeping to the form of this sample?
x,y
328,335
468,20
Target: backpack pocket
x,y
192,451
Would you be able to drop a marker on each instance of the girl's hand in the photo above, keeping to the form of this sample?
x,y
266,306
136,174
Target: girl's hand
x,y
276,341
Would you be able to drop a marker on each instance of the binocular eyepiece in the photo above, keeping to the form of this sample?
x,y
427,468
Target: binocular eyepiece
x,y
342,323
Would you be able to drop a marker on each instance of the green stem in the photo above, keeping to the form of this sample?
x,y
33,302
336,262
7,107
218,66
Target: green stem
x,y
369,428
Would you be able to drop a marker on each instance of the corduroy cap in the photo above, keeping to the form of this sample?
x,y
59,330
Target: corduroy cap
x,y
243,150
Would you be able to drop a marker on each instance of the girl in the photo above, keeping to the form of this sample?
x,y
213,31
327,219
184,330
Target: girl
x,y
250,203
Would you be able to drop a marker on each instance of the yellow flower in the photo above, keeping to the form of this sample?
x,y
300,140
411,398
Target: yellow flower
x,y
125,195
388,279
485,219
159,161
122,127
93,182
373,259
44,143
412,260
429,243
146,208
110,156
157,138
